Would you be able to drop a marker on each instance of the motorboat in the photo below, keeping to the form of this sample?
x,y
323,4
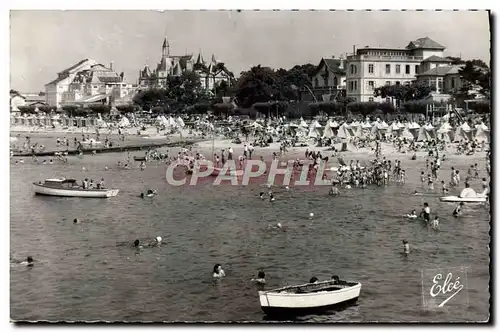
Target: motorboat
x,y
468,195
69,188
309,298
458,199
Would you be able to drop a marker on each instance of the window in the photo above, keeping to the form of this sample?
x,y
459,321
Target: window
x,y
95,86
453,82
417,67
351,85
387,82
335,81
316,82
355,85
370,69
407,69
371,85
387,69
353,69
398,83
398,69
370,99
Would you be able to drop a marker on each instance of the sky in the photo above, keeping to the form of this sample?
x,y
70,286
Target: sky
x,y
43,43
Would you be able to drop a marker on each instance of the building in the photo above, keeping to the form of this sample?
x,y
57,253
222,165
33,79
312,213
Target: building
x,y
444,79
87,82
211,73
372,67
16,100
329,78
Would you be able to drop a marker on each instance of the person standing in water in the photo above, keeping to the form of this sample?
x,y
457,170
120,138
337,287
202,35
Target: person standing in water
x,y
458,210
218,272
261,278
426,212
406,247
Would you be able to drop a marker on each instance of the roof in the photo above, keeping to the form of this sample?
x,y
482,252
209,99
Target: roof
x,y
333,65
441,71
436,58
65,73
93,99
425,43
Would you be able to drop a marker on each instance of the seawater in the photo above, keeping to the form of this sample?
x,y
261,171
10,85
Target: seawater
x,y
89,271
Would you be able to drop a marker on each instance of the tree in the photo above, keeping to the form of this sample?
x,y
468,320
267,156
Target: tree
x,y
362,108
256,85
100,108
26,109
402,93
476,78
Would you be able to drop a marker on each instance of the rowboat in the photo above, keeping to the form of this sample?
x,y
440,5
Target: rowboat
x,y
309,298
457,199
69,188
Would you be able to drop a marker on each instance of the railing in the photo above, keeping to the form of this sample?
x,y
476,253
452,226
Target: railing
x,y
385,57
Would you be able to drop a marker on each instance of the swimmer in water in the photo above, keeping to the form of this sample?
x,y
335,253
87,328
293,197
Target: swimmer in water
x,y
218,271
271,198
435,223
29,262
458,210
416,193
278,226
261,278
76,221
444,188
261,195
142,195
406,247
426,213
313,280
137,244
157,242
412,215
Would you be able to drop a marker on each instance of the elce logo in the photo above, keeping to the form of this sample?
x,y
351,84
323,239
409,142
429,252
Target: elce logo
x,y
445,286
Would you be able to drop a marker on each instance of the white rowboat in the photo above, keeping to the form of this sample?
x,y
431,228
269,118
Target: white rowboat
x,y
308,298
68,188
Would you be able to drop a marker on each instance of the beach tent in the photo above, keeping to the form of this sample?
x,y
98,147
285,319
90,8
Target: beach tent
x,y
170,122
180,122
394,129
328,132
444,132
482,133
463,133
314,130
345,131
124,122
430,130
302,123
334,124
406,133
423,135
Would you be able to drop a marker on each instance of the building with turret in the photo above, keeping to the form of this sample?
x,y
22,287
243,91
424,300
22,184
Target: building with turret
x,y
210,73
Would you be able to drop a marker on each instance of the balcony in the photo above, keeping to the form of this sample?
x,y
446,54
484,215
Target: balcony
x,y
384,58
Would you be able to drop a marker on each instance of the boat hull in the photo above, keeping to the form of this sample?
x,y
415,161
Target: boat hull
x,y
66,192
297,312
283,303
456,199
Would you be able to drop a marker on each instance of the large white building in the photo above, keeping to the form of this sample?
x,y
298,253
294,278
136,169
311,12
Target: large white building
x,y
372,67
211,73
88,82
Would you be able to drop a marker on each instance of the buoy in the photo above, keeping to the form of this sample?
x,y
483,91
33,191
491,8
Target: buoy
x,y
83,168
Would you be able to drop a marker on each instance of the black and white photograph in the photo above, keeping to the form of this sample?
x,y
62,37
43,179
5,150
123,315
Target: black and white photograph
x,y
250,166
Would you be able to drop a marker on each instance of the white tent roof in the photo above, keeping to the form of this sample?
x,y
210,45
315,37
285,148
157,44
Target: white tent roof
x,y
482,126
303,123
428,127
413,125
445,127
465,127
366,125
315,124
334,124
180,122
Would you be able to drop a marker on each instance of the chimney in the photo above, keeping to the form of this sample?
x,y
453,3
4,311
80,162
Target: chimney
x,y
333,56
341,65
111,65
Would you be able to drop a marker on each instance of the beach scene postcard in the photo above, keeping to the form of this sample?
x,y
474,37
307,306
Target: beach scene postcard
x,y
244,166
